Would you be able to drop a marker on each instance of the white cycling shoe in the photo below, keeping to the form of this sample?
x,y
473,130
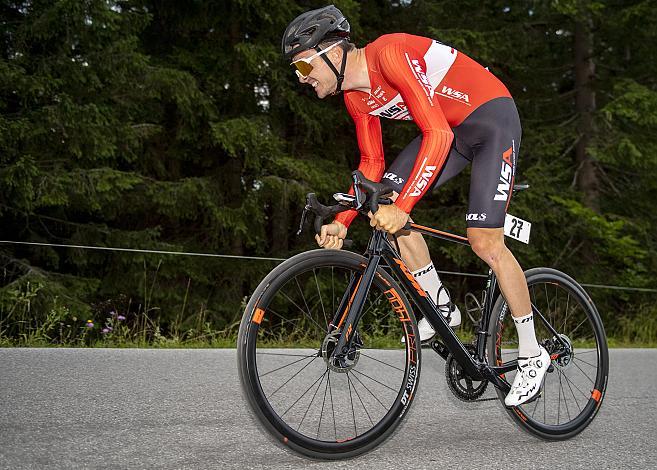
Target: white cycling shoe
x,y
426,330
529,378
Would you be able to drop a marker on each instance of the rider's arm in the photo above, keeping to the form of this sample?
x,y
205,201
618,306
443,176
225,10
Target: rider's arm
x,y
372,163
404,68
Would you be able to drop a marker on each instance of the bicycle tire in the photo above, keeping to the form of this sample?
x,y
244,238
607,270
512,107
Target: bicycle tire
x,y
502,332
270,420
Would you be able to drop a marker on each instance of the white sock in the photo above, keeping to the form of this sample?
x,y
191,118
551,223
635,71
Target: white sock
x,y
428,279
527,344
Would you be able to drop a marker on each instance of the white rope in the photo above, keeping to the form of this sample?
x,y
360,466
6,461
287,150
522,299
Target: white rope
x,y
264,258
135,250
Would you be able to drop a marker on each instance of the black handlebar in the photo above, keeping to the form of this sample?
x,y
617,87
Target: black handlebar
x,y
367,193
321,211
374,190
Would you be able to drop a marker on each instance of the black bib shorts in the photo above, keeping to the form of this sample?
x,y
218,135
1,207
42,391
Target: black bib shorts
x,y
489,138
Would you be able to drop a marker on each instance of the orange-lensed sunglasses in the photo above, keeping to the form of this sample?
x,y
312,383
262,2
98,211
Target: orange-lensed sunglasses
x,y
303,66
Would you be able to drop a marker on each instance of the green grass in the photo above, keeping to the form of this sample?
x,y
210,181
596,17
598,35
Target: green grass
x,y
23,324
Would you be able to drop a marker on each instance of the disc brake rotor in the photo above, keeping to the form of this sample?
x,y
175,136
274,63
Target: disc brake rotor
x,y
342,363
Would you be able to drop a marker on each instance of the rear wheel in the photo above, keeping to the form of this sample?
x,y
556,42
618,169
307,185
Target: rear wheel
x,y
568,325
306,400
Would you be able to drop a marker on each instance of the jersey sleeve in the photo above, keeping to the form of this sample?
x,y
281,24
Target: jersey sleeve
x,y
404,68
372,162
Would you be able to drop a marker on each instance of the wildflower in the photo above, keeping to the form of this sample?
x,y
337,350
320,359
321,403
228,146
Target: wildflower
x,y
90,324
105,331
113,313
120,318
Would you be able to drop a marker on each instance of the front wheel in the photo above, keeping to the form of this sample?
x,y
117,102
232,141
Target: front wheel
x,y
569,327
302,396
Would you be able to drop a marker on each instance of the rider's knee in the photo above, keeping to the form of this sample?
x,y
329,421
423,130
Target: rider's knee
x,y
487,247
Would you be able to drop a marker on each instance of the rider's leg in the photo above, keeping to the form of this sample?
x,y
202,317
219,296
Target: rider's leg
x,y
488,244
415,254
412,247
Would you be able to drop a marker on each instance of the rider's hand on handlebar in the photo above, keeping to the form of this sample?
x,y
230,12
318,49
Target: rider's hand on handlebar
x,y
389,218
332,235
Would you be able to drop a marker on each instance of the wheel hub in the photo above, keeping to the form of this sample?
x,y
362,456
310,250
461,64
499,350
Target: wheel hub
x,y
565,353
344,362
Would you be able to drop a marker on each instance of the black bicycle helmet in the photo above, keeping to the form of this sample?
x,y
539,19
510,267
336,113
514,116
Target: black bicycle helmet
x,y
307,30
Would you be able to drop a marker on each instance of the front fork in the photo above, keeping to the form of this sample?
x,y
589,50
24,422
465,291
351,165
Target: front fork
x,y
350,309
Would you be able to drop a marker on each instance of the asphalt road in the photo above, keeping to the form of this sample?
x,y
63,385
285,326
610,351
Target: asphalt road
x,y
175,409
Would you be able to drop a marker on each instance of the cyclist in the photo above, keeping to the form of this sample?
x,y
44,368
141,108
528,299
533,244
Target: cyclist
x,y
465,115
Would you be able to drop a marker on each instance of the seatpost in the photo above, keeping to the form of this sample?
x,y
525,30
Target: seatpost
x,y
482,332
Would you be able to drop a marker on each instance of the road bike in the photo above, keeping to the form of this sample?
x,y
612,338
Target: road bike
x,y
323,369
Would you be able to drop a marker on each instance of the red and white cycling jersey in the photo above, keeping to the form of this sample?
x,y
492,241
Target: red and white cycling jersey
x,y
413,77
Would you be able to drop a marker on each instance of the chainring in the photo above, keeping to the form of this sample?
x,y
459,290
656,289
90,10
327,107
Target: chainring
x,y
461,384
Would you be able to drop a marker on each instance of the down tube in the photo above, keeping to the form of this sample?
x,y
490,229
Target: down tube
x,y
426,306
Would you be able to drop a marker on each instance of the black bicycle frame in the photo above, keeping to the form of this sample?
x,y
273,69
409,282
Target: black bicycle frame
x,y
350,309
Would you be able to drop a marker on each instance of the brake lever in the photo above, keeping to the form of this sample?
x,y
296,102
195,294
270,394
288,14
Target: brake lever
x,y
360,200
304,214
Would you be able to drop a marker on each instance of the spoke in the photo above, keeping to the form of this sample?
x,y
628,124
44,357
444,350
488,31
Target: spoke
x,y
360,399
382,362
313,398
585,362
284,354
373,304
332,293
570,382
559,403
335,429
323,403
547,300
320,298
571,391
351,400
297,373
287,365
565,321
304,393
587,352
565,400
585,374
556,302
544,401
535,407
374,380
296,280
365,387
306,314
580,324
285,320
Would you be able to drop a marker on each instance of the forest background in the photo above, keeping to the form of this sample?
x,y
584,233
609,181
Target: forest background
x,y
176,125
